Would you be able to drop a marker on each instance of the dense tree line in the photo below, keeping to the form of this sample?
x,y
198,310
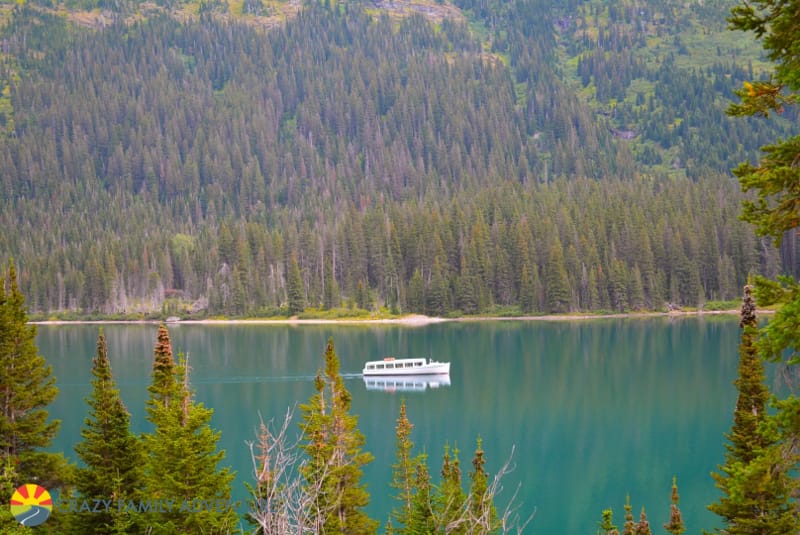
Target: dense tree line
x,y
397,163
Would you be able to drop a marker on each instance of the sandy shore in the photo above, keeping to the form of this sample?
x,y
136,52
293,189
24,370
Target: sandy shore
x,y
413,321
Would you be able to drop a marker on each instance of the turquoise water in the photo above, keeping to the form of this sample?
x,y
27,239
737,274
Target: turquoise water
x,y
594,409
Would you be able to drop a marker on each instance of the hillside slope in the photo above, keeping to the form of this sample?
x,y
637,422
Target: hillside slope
x,y
521,155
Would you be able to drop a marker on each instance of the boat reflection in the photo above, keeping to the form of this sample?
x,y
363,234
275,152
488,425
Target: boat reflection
x,y
405,383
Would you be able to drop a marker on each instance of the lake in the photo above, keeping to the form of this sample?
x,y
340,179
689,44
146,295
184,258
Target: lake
x,y
595,409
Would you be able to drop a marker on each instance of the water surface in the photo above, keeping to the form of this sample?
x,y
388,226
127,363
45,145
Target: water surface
x,y
594,409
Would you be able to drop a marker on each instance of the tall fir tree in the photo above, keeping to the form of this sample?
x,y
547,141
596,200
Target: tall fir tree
x,y
403,471
643,525
773,210
675,524
27,387
422,519
629,527
482,512
110,452
182,458
295,289
449,499
557,282
606,525
334,447
751,503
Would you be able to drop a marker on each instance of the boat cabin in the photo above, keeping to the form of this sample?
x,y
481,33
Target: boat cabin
x,y
392,364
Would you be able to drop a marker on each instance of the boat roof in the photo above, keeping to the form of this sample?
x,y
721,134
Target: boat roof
x,y
392,359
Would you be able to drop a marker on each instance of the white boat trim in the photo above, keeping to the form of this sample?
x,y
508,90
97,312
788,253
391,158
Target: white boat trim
x,y
416,366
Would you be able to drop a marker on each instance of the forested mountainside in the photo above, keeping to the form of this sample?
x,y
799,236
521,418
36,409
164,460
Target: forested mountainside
x,y
538,155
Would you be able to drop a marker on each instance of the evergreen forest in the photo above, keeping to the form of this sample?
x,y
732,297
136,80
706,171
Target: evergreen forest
x,y
473,157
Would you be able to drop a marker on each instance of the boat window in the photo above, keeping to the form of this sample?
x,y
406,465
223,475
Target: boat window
x,y
390,365
380,366
417,364
370,366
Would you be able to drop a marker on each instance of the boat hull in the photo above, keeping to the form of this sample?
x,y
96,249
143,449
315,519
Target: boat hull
x,y
436,368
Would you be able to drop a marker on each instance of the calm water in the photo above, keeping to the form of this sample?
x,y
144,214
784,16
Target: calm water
x,y
596,409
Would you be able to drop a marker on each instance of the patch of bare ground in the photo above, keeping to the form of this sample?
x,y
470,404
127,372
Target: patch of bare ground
x,y
433,10
279,13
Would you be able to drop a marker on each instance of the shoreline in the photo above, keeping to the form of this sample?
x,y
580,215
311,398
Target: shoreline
x,y
417,320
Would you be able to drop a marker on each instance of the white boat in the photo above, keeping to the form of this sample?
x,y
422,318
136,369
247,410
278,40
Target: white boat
x,y
405,383
393,366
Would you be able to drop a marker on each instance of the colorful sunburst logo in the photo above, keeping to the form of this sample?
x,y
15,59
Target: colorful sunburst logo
x,y
31,504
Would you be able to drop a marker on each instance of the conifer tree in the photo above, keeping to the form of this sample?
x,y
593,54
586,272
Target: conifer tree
x,y
422,519
527,290
642,526
182,457
416,293
751,503
450,498
629,527
774,213
9,481
558,292
27,387
606,525
403,471
334,447
330,296
295,289
110,452
482,512
675,524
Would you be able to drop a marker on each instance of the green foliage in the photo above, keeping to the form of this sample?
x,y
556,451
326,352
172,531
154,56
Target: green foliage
x,y
334,447
295,288
606,525
403,472
421,146
752,502
111,455
425,507
182,459
28,387
675,524
775,177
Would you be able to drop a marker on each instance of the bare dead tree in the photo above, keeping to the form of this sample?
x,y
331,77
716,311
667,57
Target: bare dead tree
x,y
484,519
283,502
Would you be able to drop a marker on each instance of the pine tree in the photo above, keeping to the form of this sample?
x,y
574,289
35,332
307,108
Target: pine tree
x,y
449,498
527,290
482,512
606,525
773,211
422,518
558,292
629,527
295,289
27,387
110,452
330,294
675,524
751,503
416,293
403,471
182,457
334,447
642,526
